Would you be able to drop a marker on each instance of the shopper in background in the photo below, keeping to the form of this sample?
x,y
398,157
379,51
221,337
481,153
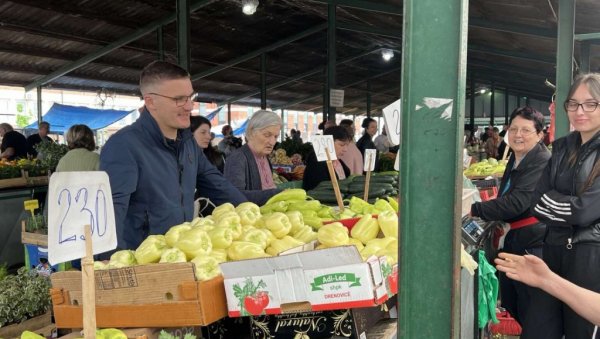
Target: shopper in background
x,y
155,165
248,168
14,144
534,272
352,157
81,155
200,127
229,143
40,136
382,142
316,171
567,200
366,141
523,170
492,143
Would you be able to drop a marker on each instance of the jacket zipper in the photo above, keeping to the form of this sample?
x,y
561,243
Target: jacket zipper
x,y
569,244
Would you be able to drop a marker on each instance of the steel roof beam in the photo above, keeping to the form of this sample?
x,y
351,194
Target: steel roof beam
x,y
391,33
513,28
371,6
512,54
587,36
510,69
259,51
112,46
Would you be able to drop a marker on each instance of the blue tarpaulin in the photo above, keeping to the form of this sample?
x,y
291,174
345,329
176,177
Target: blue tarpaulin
x,y
237,132
61,117
212,114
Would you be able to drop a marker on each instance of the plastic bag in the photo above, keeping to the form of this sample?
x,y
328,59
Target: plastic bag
x,y
488,292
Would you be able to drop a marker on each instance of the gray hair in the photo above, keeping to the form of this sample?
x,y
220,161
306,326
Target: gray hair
x,y
6,127
262,119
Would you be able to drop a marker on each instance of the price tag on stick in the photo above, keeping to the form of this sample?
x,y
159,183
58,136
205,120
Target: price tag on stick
x,y
322,143
369,166
391,114
76,199
397,163
334,182
31,206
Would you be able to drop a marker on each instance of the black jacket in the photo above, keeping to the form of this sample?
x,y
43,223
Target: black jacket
x,y
316,171
571,211
366,142
515,204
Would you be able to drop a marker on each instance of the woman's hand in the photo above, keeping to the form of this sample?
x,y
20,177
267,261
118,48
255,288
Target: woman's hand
x,y
528,269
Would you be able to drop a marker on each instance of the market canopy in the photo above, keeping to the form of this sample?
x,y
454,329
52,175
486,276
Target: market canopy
x,y
61,117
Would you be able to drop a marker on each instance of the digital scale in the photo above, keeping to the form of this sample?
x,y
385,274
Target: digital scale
x,y
471,233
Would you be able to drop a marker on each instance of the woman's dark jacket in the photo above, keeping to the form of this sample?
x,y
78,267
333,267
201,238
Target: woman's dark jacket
x,y
316,171
514,204
571,211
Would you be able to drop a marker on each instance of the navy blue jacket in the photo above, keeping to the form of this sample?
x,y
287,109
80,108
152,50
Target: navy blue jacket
x,y
153,181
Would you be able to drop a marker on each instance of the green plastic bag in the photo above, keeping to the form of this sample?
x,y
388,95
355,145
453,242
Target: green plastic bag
x,y
488,291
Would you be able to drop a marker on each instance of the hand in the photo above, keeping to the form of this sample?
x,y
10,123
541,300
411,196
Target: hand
x,y
528,269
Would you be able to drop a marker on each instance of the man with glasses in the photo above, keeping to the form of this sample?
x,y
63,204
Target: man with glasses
x,y
155,165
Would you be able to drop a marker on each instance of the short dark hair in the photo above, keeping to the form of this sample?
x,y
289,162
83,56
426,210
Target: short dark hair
x,y
158,71
80,136
366,122
346,123
528,113
44,123
338,133
321,125
197,121
225,129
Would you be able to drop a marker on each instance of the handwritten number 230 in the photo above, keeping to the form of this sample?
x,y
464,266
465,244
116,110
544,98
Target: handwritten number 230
x,y
79,204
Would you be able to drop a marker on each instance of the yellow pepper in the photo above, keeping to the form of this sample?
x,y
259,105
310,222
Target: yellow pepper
x,y
388,222
311,205
280,206
305,234
150,249
289,194
279,224
359,245
283,244
365,229
382,205
296,219
240,250
334,234
249,213
220,254
224,208
232,221
175,232
256,236
194,242
221,237
394,203
173,255
206,267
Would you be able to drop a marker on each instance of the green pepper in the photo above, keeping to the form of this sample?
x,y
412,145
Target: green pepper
x,y
197,221
220,254
224,208
31,335
357,205
232,221
173,255
195,242
388,222
289,194
279,224
206,267
365,229
221,237
305,234
313,221
175,232
123,258
382,205
283,244
240,250
334,234
394,203
359,245
325,212
280,206
311,205
296,219
256,236
150,249
111,333
249,213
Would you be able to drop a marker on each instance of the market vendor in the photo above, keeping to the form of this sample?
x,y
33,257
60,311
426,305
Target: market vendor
x,y
248,168
524,168
155,165
316,171
14,144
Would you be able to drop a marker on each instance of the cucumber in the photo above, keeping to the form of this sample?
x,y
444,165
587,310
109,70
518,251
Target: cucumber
x,y
358,187
378,179
373,193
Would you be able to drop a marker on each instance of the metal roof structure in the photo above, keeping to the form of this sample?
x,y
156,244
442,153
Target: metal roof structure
x,y
98,45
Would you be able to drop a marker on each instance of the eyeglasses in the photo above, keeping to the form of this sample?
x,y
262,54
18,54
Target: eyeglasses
x,y
524,131
181,100
573,106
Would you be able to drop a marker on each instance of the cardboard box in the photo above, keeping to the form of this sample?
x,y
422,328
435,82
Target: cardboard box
x,y
157,295
319,280
348,323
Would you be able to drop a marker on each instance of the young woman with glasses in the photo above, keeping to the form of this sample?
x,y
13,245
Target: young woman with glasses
x,y
567,200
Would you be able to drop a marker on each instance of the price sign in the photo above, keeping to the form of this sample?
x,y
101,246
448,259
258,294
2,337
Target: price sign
x,y
31,205
336,98
76,199
370,155
320,144
397,163
391,114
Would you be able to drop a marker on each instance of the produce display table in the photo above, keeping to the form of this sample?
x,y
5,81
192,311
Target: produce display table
x,y
11,209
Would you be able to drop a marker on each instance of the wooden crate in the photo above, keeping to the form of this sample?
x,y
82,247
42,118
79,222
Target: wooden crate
x,y
14,182
156,295
41,324
33,238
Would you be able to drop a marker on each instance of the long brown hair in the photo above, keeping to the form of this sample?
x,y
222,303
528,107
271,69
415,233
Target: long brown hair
x,y
592,81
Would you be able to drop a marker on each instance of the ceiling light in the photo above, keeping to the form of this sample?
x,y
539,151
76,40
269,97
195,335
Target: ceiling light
x,y
387,54
482,91
249,6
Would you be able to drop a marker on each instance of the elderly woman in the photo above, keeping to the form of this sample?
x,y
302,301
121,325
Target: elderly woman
x,y
316,171
81,157
248,168
524,169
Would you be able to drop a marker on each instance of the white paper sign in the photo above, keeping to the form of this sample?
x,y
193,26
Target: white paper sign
x,y
76,199
322,142
370,154
391,114
336,98
397,163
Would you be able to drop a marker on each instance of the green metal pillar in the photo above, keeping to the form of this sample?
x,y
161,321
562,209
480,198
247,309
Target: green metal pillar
x,y
431,163
506,111
263,81
331,56
325,101
39,105
161,43
492,108
183,34
585,57
229,113
368,98
472,103
564,62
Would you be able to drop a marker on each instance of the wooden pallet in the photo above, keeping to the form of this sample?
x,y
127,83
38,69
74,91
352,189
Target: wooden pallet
x,y
40,324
